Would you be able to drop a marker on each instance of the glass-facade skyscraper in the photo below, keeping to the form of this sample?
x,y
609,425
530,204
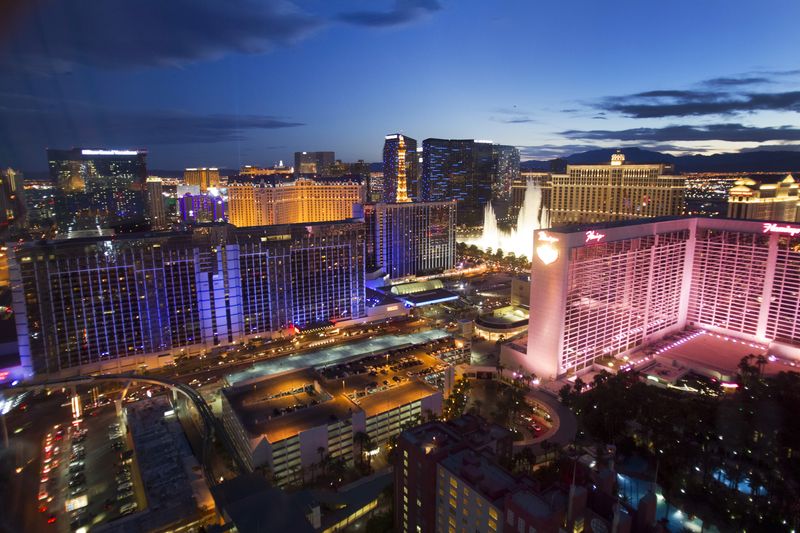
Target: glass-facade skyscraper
x,y
98,188
471,172
319,163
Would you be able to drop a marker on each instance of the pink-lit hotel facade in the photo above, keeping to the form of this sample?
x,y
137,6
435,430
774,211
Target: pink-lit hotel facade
x,y
604,290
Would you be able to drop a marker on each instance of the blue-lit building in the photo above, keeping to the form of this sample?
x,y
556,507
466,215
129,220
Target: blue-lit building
x,y
138,300
400,169
471,172
99,188
205,207
411,238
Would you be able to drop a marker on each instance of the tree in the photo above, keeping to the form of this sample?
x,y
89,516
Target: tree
x,y
362,440
565,394
525,457
579,385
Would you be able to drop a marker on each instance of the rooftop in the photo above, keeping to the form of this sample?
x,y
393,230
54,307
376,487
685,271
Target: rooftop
x,y
253,506
532,503
481,474
428,297
508,316
285,405
335,354
714,353
395,397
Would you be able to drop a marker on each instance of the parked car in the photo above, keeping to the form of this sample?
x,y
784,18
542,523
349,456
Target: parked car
x,y
128,508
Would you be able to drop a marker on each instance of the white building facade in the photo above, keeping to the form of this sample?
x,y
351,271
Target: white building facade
x,y
601,291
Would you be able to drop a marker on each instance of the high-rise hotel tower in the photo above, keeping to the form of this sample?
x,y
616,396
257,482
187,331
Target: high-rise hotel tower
x,y
615,191
603,290
121,303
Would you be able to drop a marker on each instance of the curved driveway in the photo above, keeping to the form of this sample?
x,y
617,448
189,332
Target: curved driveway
x,y
564,424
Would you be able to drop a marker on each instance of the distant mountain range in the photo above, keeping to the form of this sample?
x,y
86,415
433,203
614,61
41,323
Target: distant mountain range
x,y
756,161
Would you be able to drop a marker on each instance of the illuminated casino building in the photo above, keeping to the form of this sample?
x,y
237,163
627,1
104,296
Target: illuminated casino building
x,y
209,207
98,187
615,191
750,199
205,177
400,169
602,291
137,300
156,212
258,202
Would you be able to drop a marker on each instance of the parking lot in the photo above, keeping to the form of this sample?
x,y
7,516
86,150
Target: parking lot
x,y
97,478
380,373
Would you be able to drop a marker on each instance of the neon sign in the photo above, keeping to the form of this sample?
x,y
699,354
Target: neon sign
x,y
771,227
594,236
543,236
109,152
546,252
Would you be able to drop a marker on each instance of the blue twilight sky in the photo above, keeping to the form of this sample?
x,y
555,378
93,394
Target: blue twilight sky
x,y
251,81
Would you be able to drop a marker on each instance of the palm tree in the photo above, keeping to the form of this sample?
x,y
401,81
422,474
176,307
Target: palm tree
x,y
320,464
761,362
364,442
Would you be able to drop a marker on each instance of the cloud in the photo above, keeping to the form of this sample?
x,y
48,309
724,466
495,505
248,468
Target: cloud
x,y
732,132
57,35
403,12
27,124
685,103
737,81
512,115
544,152
723,95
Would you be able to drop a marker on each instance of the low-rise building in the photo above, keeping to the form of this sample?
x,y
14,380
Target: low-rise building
x,y
449,477
293,422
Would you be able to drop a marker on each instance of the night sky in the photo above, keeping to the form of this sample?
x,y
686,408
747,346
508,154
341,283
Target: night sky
x,y
249,82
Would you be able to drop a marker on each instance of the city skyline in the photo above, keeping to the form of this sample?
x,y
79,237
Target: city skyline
x,y
277,77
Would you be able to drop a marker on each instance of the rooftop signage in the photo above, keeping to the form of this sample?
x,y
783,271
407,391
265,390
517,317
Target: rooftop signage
x,y
592,235
771,227
109,152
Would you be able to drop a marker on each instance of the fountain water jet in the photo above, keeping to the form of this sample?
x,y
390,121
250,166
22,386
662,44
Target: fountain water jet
x,y
532,216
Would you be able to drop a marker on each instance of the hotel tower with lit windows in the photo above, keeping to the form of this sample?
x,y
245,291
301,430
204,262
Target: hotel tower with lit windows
x,y
603,290
613,191
137,300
